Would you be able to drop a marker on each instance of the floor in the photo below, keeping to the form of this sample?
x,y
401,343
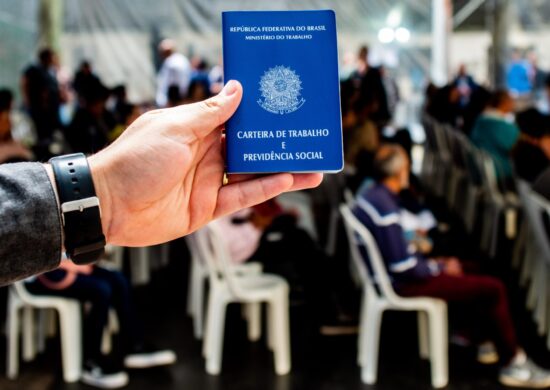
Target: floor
x,y
318,362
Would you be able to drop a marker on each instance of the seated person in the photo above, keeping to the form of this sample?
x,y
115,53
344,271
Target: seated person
x,y
531,155
267,234
104,289
414,275
495,133
10,150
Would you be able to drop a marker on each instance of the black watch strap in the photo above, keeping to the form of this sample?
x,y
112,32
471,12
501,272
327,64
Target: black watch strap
x,y
80,211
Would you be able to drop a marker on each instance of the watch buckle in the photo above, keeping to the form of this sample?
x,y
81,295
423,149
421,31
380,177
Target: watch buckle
x,y
79,205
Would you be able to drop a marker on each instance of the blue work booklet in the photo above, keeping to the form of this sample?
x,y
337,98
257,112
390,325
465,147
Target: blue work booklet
x,y
289,119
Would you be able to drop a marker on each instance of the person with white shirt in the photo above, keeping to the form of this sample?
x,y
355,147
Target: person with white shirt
x,y
175,70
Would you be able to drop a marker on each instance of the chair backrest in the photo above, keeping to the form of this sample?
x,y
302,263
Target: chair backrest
x,y
536,207
378,282
213,250
22,292
192,245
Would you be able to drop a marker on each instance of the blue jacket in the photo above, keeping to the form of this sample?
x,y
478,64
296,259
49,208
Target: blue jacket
x,y
378,209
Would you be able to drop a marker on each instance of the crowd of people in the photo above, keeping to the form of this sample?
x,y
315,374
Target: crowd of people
x,y
389,199
82,114
515,136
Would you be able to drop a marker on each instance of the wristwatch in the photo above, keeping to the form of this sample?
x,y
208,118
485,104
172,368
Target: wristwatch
x,y
80,209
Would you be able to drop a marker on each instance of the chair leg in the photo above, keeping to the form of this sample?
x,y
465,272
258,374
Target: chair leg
x,y
71,342
271,342
29,345
191,288
423,335
206,343
519,247
164,254
281,332
215,333
140,268
369,372
198,307
439,346
361,338
42,330
12,366
254,320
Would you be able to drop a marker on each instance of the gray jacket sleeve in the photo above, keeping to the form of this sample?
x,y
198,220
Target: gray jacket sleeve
x,y
30,224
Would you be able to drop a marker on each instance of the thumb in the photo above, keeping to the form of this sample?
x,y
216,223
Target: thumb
x,y
212,113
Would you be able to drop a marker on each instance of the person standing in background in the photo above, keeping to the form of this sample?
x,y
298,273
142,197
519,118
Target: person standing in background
x,y
10,150
41,99
175,70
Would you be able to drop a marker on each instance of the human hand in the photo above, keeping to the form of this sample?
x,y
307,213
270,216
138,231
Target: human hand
x,y
162,178
452,267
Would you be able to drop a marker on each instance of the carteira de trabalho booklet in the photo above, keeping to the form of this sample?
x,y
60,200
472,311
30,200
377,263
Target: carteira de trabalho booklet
x,y
289,119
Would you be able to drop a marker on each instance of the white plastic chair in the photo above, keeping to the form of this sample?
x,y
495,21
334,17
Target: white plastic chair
x,y
536,266
228,286
379,296
70,329
198,274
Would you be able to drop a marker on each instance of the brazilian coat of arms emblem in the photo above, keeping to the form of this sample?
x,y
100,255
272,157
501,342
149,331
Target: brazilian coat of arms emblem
x,y
280,87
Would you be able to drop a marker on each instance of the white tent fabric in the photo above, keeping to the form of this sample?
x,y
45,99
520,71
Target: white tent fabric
x,y
120,37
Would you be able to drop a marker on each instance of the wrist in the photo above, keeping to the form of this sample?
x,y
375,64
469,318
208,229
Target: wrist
x,y
98,171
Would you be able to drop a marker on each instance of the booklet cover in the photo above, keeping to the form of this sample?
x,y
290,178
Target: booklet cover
x,y
289,119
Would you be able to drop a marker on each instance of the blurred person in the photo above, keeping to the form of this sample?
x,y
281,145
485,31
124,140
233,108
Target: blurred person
x,y
162,179
478,101
496,133
175,70
519,74
443,104
361,139
368,80
103,289
270,235
413,275
465,84
200,73
10,150
84,80
215,77
41,99
92,122
537,75
126,115
118,103
174,96
198,90
531,154
391,88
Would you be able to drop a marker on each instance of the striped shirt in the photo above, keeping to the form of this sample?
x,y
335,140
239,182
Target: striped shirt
x,y
378,209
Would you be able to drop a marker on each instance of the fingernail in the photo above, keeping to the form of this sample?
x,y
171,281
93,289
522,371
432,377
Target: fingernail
x,y
230,88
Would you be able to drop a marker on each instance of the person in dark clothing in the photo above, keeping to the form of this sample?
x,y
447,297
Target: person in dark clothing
x,y
41,98
369,82
103,289
89,129
269,235
465,84
478,101
541,185
84,81
414,275
444,105
531,154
